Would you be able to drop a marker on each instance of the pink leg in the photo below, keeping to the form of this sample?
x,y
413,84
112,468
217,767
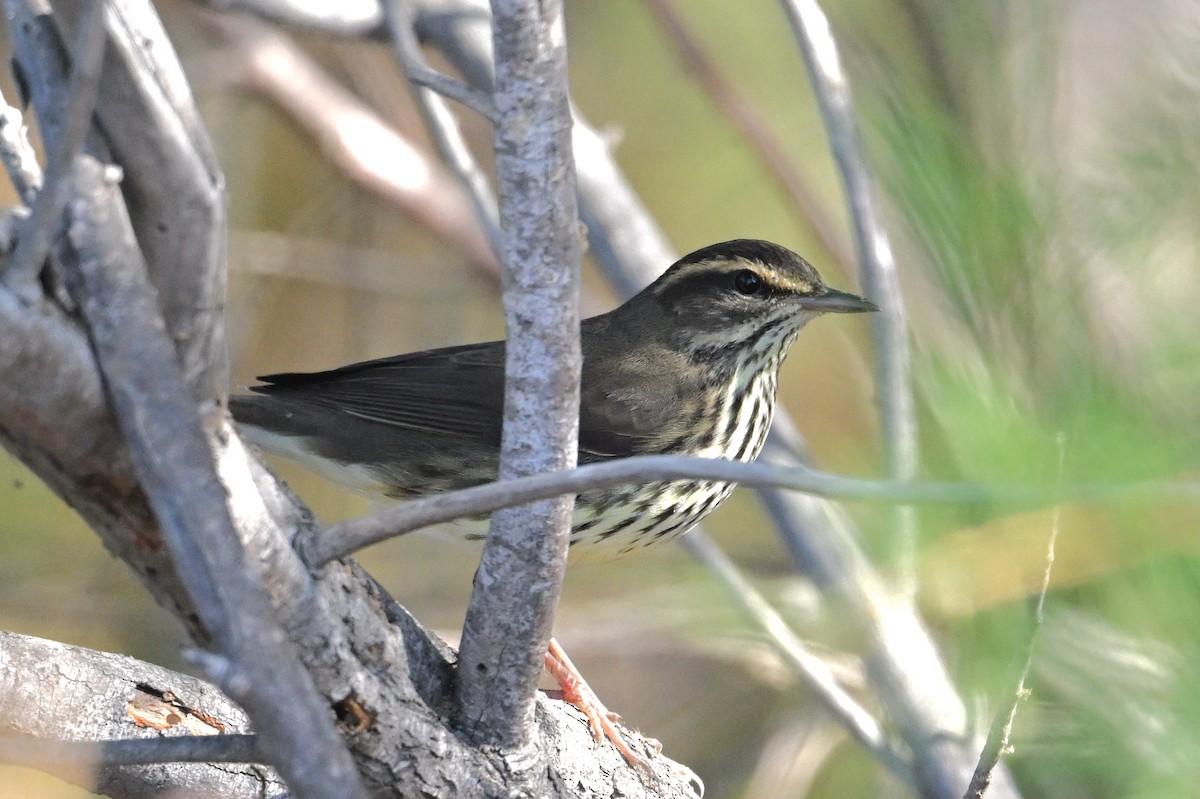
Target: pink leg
x,y
576,691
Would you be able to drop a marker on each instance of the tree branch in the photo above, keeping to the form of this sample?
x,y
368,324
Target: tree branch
x,y
940,763
517,585
163,429
322,546
389,680
66,128
441,124
423,77
105,273
55,414
50,690
171,180
816,674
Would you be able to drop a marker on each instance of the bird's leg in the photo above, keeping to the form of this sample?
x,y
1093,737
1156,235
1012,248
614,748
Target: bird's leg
x,y
576,691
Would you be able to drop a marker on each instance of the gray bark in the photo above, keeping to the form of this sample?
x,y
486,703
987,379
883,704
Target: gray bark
x,y
47,687
516,589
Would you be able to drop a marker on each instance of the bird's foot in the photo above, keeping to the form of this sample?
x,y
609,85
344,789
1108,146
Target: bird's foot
x,y
601,721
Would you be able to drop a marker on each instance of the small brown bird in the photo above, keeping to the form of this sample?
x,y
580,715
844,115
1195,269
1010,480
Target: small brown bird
x,y
688,366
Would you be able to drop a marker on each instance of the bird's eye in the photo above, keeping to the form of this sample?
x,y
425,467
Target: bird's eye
x,y
747,281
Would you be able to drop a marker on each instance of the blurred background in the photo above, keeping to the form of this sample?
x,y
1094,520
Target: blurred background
x,y
1040,166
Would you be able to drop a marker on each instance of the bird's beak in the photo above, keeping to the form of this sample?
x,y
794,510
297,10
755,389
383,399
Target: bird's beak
x,y
834,301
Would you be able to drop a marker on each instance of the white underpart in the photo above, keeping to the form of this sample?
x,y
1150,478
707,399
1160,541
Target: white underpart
x,y
357,478
757,373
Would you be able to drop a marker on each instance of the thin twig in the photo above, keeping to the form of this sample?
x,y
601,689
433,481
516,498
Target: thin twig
x,y
355,138
343,539
1000,733
880,279
740,113
57,755
441,124
34,243
817,675
429,78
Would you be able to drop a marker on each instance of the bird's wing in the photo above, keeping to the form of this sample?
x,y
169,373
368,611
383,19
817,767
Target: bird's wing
x,y
631,413
459,391
452,391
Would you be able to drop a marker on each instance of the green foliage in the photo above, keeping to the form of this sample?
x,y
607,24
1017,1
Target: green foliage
x,y
1042,220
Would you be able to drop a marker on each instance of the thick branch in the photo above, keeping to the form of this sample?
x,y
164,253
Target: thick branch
x,y
389,678
159,421
53,691
172,182
52,410
163,430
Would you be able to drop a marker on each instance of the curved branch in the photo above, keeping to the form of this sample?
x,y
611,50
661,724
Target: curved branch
x,y
441,124
320,547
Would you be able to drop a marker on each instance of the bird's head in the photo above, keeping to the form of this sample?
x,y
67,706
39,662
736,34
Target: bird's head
x,y
735,292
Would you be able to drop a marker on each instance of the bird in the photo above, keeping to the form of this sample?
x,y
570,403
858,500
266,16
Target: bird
x,y
687,366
